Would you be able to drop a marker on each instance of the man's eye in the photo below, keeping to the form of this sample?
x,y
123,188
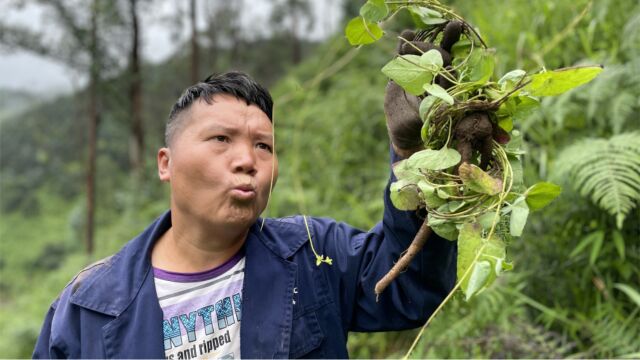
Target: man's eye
x,y
221,138
265,147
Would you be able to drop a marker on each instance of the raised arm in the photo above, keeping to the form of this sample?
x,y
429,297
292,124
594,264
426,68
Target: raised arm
x,y
362,258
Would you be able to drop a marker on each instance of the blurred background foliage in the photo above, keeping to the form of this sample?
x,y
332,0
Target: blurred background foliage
x,y
575,290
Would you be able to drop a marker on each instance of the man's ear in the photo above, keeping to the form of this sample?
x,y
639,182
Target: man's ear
x,y
164,161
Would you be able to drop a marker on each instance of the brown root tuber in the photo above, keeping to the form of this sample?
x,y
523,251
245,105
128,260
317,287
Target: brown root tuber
x,y
403,263
475,132
451,35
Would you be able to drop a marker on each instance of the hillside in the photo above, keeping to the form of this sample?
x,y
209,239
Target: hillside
x,y
12,102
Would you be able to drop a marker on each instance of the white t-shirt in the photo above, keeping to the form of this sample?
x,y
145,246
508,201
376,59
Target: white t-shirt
x,y
202,311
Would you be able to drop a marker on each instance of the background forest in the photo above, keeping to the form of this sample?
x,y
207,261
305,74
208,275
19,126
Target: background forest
x,y
78,173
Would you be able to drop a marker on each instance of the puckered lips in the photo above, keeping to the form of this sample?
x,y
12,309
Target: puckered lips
x,y
244,192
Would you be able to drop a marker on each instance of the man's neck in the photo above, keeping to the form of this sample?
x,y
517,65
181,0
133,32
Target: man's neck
x,y
188,248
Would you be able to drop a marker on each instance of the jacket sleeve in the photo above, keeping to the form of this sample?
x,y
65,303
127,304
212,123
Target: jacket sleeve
x,y
361,258
43,349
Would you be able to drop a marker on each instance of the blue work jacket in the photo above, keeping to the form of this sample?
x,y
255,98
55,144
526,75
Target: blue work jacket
x,y
292,308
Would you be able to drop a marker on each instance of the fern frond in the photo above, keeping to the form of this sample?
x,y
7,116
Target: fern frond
x,y
622,108
631,38
605,170
613,336
611,100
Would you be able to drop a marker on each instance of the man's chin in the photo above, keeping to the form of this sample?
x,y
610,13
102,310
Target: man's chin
x,y
241,218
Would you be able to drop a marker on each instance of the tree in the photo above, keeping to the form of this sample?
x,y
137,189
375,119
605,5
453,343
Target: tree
x,y
136,139
94,79
223,30
80,48
195,48
291,14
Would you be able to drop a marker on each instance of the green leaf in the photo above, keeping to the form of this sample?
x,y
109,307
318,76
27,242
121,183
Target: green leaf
x,y
469,243
556,82
490,263
404,195
518,172
425,106
481,63
374,10
429,159
404,170
525,106
486,219
447,231
432,200
439,92
495,249
509,80
432,60
519,214
507,108
632,293
586,241
426,15
541,194
443,228
479,181
451,207
595,248
461,49
406,71
494,94
478,279
506,123
618,242
359,31
442,194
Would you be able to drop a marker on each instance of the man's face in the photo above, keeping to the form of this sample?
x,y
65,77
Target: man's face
x,y
220,164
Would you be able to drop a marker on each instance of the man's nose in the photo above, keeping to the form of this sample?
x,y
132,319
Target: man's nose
x,y
244,159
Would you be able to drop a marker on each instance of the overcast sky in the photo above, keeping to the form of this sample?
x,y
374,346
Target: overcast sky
x,y
22,70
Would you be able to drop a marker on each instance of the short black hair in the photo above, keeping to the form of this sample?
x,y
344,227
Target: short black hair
x,y
235,83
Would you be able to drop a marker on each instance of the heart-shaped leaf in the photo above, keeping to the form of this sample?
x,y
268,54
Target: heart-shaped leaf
x,y
541,194
404,195
406,71
374,10
360,31
429,159
479,181
439,92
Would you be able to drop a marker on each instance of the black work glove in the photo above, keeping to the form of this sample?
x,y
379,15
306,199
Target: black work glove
x,y
400,108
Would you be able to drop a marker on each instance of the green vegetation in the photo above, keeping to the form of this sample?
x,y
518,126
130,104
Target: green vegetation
x,y
574,290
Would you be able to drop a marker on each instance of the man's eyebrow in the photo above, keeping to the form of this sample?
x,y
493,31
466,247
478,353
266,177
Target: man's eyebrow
x,y
261,135
220,127
264,135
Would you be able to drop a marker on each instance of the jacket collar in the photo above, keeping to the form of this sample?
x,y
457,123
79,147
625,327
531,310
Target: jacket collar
x,y
283,236
116,284
267,310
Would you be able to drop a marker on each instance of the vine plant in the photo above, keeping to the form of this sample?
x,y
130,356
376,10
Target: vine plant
x,y
472,190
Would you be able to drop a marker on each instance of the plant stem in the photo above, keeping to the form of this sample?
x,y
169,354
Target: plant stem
x,y
445,301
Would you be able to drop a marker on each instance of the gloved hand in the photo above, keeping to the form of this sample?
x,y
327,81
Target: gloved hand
x,y
401,108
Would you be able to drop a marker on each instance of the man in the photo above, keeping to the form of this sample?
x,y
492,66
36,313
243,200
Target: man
x,y
210,279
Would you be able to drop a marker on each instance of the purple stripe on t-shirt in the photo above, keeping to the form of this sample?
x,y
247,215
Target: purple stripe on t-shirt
x,y
198,276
